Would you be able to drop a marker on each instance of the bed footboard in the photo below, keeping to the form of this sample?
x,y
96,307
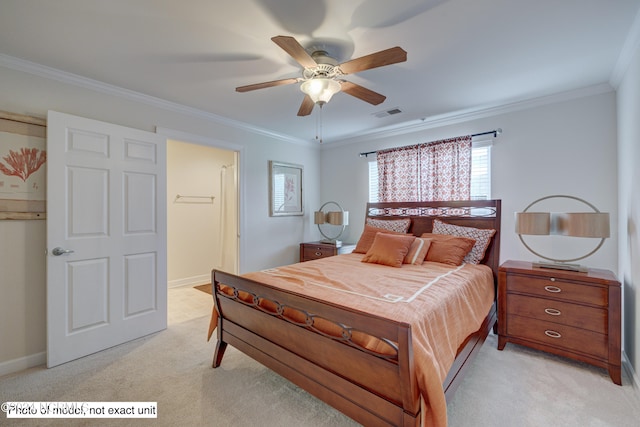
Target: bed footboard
x,y
372,388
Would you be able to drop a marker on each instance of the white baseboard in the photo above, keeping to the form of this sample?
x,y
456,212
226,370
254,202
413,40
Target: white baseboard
x,y
635,380
22,363
190,281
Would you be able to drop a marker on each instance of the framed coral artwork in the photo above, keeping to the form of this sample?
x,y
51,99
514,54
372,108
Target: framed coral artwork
x,y
285,189
23,174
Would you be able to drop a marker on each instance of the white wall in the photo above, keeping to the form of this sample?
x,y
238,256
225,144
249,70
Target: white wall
x,y
566,147
629,206
265,241
194,233
22,294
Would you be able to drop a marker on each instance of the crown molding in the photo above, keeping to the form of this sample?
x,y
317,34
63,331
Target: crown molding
x,y
469,114
425,123
97,86
630,47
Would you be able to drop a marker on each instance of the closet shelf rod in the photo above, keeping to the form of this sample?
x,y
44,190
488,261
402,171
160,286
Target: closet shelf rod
x,y
180,196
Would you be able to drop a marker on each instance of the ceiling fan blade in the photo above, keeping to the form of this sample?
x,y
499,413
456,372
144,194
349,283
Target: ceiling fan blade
x,y
306,107
362,93
295,49
374,60
266,84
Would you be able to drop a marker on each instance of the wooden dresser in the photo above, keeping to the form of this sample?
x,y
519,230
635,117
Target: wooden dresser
x,y
571,314
315,250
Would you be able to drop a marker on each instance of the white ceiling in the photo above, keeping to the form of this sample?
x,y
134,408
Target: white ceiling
x,y
462,54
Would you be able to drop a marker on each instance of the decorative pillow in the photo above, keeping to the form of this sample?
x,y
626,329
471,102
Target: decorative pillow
x,y
389,249
481,236
366,239
417,251
448,249
397,225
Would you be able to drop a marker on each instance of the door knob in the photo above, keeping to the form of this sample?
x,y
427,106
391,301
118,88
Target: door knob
x,y
59,251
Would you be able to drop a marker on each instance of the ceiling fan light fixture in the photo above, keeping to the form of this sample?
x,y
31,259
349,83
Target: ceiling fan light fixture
x,y
321,73
320,90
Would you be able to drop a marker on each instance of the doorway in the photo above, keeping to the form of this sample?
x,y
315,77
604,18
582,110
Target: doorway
x,y
202,212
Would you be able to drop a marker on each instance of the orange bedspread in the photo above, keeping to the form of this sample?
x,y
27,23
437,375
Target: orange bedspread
x,y
443,304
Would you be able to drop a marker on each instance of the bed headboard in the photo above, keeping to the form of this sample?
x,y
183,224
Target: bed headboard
x,y
468,213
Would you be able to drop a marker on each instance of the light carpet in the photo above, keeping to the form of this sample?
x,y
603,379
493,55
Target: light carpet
x,y
514,387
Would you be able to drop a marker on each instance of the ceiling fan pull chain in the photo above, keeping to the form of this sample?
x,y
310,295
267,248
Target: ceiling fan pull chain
x,y
319,120
317,127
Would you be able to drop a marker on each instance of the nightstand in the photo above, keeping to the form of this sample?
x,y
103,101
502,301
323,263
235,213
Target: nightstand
x,y
571,314
316,250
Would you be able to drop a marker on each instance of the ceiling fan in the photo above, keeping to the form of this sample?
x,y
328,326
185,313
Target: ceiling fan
x,y
321,74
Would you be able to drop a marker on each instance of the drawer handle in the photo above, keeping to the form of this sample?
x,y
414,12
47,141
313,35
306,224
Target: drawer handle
x,y
318,253
552,311
552,289
552,334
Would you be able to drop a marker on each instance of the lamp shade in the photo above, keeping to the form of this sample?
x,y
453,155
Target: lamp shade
x,y
338,217
318,217
334,218
320,90
533,223
587,224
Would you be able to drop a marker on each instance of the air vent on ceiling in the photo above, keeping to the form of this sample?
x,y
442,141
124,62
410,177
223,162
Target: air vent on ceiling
x,y
389,112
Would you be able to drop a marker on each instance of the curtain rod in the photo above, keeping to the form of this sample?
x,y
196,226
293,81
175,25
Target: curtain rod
x,y
495,133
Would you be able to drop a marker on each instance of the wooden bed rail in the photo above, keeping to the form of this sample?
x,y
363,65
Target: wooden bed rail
x,y
366,386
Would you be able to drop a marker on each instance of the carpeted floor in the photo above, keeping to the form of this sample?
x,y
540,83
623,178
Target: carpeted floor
x,y
172,368
528,388
514,387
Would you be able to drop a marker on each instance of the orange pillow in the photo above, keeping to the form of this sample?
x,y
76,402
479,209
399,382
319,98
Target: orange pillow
x,y
389,249
417,251
448,249
366,239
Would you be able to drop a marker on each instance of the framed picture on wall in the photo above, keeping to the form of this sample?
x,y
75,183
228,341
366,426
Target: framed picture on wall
x,y
285,189
22,167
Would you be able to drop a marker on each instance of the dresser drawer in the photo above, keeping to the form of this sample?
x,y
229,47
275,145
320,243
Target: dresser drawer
x,y
558,289
561,336
572,314
316,252
579,316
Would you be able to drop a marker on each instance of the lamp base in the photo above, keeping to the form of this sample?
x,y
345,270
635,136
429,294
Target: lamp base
x,y
337,243
561,266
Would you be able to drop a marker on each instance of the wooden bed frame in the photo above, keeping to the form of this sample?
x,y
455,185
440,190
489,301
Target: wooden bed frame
x,y
368,387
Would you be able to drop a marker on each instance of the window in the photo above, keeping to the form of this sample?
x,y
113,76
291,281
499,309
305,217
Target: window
x,y
480,173
373,181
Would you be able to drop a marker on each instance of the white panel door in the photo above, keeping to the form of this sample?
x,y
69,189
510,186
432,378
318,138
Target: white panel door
x,y
106,236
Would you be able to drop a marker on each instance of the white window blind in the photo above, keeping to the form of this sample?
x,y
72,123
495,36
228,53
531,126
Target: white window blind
x,y
480,173
373,181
